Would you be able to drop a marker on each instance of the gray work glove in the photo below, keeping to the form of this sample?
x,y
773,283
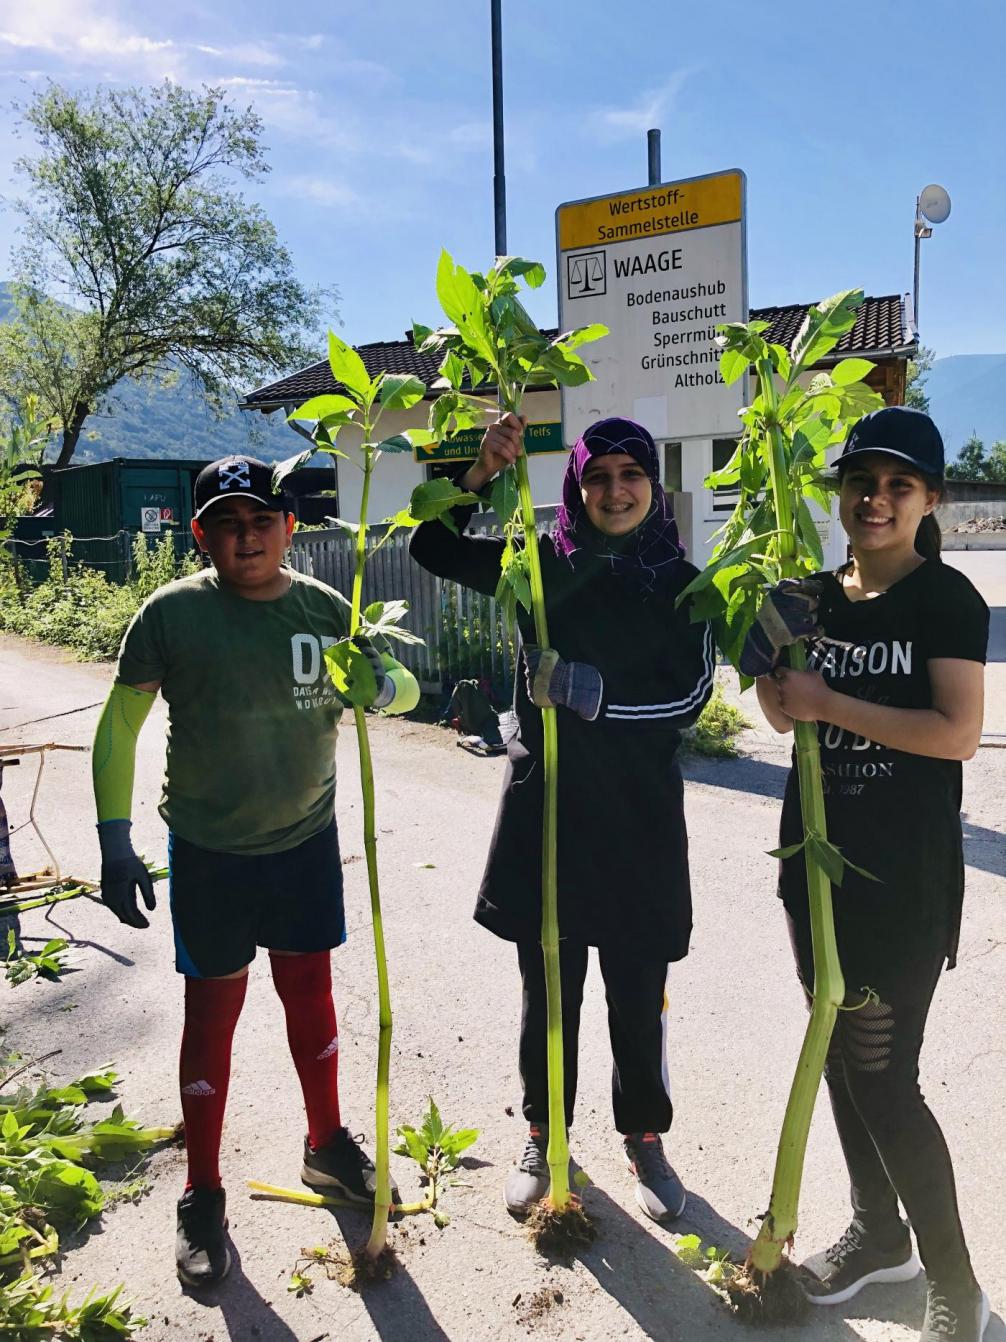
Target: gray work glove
x,y
123,873
385,685
787,614
551,682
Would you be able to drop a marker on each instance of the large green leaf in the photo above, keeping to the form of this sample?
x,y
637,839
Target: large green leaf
x,y
823,328
284,468
321,407
532,272
437,497
732,365
504,496
347,367
396,443
851,370
465,306
581,335
400,391
351,673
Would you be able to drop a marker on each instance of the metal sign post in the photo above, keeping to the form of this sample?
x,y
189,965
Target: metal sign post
x,y
661,267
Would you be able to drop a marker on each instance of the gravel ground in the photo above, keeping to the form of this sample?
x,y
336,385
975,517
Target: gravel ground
x,y
736,1025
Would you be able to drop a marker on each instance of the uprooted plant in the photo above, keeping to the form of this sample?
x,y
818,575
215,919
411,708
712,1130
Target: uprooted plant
x,y
48,1147
778,466
435,1146
492,343
361,403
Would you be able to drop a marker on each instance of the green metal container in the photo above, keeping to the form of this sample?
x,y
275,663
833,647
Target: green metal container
x,y
121,495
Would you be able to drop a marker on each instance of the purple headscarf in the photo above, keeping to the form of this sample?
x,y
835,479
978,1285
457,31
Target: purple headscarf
x,y
644,552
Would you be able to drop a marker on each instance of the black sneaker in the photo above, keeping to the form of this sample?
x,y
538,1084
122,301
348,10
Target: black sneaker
x,y
344,1166
659,1191
854,1262
528,1182
201,1253
961,1313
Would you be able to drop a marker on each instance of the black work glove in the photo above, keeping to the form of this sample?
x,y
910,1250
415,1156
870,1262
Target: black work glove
x,y
787,614
122,873
551,682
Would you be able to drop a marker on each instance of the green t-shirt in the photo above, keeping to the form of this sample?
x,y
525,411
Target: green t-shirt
x,y
252,712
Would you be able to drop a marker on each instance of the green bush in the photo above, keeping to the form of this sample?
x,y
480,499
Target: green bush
x,y
715,734
86,612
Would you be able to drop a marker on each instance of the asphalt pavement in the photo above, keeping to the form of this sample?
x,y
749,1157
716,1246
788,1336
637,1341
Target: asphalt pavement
x,y
736,1022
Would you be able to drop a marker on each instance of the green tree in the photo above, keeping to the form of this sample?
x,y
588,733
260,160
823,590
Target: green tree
x,y
133,219
918,370
971,463
996,466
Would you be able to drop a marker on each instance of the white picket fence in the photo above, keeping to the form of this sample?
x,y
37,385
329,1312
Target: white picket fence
x,y
465,634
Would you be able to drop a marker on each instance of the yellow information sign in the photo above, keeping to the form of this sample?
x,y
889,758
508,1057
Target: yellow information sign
x,y
634,216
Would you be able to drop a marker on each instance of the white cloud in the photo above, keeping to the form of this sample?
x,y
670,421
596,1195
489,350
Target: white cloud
x,y
647,111
322,191
472,135
245,53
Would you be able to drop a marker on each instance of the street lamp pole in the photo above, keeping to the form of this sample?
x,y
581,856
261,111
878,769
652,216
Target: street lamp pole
x,y
499,178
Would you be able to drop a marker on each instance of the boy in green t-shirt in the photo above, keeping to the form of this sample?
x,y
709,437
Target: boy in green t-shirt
x,y
249,796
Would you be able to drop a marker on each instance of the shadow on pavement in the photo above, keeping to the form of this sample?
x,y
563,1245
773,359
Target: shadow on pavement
x,y
242,1311
636,1266
397,1308
743,774
984,848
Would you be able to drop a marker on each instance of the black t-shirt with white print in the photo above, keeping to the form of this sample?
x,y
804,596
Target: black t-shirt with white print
x,y
896,815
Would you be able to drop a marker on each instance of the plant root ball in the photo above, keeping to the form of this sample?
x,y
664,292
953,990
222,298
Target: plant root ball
x,y
767,1298
554,1231
361,1270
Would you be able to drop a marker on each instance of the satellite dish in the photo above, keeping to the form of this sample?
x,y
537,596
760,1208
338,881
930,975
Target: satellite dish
x,y
934,204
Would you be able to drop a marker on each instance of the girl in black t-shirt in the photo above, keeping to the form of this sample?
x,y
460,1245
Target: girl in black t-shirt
x,y
896,687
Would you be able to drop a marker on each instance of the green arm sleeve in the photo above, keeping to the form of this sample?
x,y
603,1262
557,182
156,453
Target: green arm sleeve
x,y
113,756
406,686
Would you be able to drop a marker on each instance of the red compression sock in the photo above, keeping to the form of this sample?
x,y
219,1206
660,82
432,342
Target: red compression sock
x,y
212,1008
304,985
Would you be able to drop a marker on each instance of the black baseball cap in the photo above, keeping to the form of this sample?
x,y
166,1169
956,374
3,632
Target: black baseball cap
x,y
236,477
897,431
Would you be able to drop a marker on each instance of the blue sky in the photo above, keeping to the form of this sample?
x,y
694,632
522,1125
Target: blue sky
x,y
378,123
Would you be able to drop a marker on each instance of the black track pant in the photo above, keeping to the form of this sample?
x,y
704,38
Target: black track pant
x,y
635,991
893,1145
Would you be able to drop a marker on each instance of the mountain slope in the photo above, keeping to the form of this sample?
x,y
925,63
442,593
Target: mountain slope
x,y
144,420
967,394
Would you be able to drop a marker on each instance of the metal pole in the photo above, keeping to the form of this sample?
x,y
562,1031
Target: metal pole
x,y
653,156
499,180
918,245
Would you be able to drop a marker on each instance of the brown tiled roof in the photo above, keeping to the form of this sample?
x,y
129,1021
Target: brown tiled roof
x,y
879,329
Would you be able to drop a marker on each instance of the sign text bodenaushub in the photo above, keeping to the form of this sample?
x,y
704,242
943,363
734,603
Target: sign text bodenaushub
x,y
464,446
660,267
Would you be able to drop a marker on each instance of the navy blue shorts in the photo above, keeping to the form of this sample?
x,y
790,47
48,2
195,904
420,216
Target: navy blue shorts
x,y
225,905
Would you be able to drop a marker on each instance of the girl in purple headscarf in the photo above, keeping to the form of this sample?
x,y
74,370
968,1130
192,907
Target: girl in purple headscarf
x,y
628,671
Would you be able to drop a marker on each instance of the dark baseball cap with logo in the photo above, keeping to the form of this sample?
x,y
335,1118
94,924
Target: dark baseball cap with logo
x,y
236,478
897,431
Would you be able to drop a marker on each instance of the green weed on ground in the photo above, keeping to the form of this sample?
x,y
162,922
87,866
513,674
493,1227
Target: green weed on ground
x,y
85,612
716,732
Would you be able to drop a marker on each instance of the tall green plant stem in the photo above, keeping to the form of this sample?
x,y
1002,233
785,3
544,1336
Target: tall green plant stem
x,y
557,1152
382,1194
780,1222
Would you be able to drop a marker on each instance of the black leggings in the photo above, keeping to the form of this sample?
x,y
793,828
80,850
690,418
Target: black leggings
x,y
634,987
893,1145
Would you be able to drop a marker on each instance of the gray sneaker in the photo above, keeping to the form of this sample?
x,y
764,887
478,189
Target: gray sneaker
x,y
659,1191
528,1181
961,1313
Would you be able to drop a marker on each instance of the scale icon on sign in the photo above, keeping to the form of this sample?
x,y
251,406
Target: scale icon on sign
x,y
586,274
